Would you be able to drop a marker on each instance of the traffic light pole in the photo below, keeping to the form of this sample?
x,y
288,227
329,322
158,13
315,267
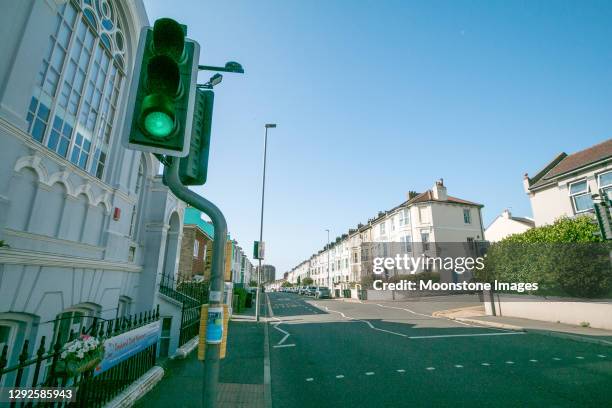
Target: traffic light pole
x,y
211,361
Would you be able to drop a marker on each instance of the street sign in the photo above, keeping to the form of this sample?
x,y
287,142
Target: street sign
x,y
259,248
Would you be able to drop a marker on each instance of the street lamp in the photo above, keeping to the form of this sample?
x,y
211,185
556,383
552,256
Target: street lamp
x,y
231,66
263,192
328,269
212,82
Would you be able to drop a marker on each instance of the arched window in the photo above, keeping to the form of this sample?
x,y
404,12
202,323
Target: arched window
x,y
74,103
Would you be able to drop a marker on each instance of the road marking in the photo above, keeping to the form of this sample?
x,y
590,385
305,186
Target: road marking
x,y
556,359
486,364
439,336
284,345
369,373
340,376
430,368
580,357
310,379
401,370
267,374
533,361
458,366
509,362
601,356
275,325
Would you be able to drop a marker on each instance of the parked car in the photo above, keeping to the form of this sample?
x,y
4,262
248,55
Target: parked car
x,y
323,292
310,291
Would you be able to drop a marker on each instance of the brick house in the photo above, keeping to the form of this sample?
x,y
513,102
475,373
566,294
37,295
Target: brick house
x,y
196,247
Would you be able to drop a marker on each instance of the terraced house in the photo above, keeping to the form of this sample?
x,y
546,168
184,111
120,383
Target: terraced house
x,y
419,222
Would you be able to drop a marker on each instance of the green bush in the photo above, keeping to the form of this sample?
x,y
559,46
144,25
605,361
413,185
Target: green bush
x,y
242,295
565,258
307,281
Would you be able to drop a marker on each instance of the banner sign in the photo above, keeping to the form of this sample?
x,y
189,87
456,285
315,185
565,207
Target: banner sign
x,y
125,345
214,326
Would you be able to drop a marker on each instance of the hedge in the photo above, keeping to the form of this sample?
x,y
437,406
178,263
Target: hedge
x,y
565,258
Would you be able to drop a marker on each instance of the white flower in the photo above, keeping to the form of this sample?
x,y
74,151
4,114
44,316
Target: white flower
x,y
64,354
80,354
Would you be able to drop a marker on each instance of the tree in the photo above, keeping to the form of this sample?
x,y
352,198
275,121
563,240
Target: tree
x,y
287,284
299,280
307,281
252,283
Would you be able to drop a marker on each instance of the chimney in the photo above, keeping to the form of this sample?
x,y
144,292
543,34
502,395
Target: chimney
x,y
507,214
526,182
439,191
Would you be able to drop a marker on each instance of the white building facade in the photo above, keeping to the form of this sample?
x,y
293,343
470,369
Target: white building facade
x,y
87,226
565,186
505,225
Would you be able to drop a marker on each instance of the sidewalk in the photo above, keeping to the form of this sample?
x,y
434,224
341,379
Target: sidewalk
x,y
476,315
240,378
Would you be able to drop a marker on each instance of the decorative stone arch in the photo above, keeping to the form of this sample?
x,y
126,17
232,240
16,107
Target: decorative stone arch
x,y
33,162
86,190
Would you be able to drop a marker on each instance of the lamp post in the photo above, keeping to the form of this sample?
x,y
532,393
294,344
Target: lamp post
x,y
263,193
328,268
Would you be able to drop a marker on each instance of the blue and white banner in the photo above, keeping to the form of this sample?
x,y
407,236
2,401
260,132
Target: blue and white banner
x,y
125,345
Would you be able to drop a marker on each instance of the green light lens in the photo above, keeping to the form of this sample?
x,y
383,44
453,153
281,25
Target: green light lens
x,y
158,124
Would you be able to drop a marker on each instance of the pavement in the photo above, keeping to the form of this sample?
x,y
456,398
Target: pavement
x,y
326,353
476,315
241,375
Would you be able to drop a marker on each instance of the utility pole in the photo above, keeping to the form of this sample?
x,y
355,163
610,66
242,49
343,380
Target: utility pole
x,y
263,193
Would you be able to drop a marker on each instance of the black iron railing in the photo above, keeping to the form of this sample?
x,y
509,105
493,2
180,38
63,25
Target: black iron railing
x,y
41,367
192,296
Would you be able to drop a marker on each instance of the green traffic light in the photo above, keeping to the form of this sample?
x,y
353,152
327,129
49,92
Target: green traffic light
x,y
158,124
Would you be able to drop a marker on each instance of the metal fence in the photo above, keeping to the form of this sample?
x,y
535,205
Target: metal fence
x,y
40,368
192,296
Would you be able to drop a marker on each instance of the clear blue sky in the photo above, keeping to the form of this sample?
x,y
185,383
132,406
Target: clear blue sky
x,y
375,98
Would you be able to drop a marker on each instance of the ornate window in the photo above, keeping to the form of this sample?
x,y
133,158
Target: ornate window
x,y
74,103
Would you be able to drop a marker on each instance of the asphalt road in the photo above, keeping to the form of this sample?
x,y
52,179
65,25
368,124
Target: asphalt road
x,y
327,353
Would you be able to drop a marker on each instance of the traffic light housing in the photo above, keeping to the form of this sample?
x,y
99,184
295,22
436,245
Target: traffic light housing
x,y
162,94
193,169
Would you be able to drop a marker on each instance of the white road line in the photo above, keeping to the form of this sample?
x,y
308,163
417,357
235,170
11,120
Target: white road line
x,y
437,317
430,368
401,370
275,325
458,366
284,345
439,336
340,376
556,359
601,356
310,379
509,362
533,361
369,373
580,357
486,364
